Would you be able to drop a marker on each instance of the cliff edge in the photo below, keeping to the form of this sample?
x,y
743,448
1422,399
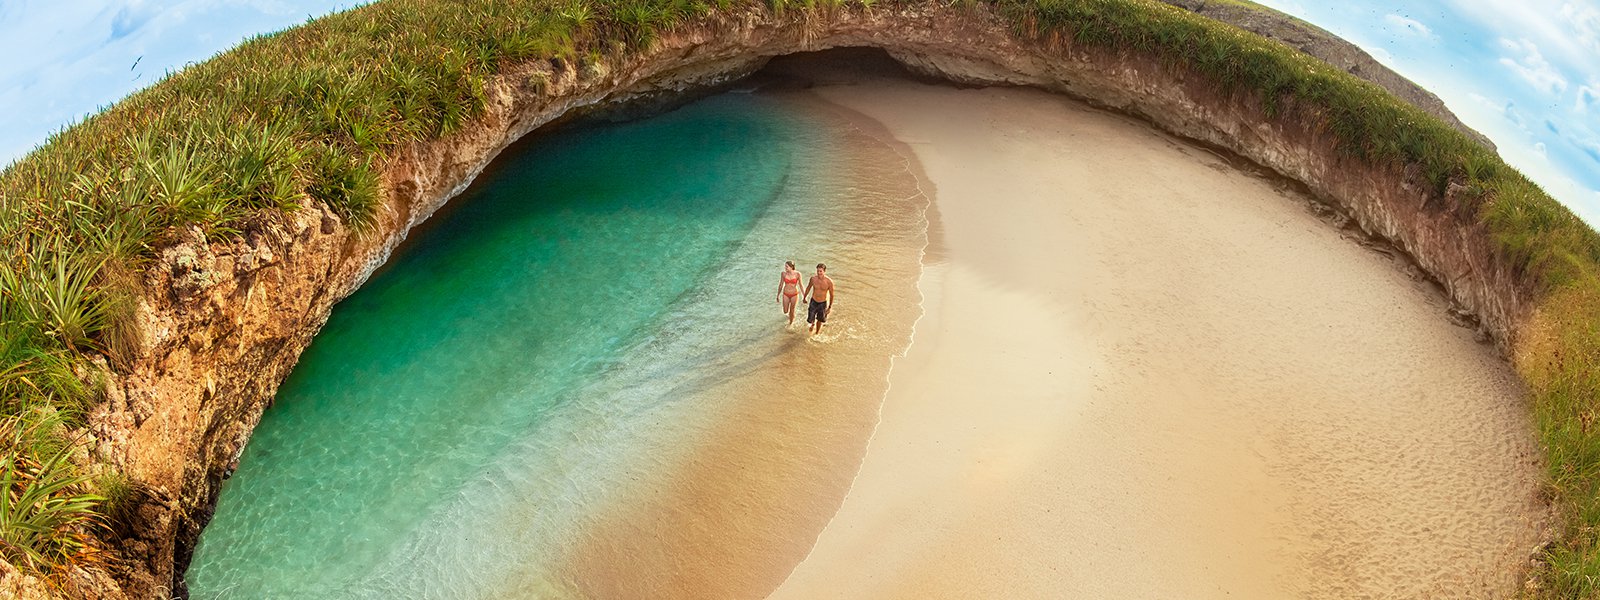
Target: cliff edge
x,y
222,323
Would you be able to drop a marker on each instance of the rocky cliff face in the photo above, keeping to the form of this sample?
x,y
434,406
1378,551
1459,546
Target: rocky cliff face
x,y
225,323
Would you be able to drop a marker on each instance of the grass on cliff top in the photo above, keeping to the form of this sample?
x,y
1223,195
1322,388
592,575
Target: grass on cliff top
x,y
313,113
308,114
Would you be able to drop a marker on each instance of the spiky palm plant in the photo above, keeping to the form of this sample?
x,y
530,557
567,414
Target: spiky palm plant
x,y
48,515
316,111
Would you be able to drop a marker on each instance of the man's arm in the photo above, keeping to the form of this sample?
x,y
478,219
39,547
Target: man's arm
x,y
807,293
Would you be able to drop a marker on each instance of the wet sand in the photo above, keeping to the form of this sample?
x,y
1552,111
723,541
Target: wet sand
x,y
1142,373
771,435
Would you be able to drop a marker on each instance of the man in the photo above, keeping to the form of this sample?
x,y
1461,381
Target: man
x,y
820,291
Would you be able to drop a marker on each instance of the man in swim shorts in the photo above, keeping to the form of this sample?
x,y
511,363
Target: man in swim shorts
x,y
820,291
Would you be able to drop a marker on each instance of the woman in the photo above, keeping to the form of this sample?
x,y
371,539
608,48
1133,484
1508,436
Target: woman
x,y
788,289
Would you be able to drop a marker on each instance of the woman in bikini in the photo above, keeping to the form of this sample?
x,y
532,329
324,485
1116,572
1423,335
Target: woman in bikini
x,y
788,289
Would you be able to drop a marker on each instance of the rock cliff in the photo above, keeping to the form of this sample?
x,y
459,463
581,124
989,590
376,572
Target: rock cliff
x,y
223,324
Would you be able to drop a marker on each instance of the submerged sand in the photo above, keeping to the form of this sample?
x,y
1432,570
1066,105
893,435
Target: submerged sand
x,y
1139,372
1143,373
771,430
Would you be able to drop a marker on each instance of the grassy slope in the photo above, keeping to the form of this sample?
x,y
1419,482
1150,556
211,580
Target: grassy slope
x,y
315,111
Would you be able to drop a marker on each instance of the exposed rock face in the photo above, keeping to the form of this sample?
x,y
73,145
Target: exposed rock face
x,y
225,323
15,585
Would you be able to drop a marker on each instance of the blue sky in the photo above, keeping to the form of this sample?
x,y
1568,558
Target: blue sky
x,y
1525,73
65,59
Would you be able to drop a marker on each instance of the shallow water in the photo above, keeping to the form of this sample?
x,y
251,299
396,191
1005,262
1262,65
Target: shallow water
x,y
1141,374
787,419
550,342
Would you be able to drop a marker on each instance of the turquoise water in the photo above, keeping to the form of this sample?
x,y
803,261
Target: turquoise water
x,y
474,340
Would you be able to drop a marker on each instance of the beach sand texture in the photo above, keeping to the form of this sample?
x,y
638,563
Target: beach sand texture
x,y
1138,372
1143,373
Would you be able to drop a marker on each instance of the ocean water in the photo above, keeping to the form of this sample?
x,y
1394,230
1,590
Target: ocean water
x,y
565,335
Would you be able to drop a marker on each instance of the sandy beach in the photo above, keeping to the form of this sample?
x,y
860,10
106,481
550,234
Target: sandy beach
x,y
1135,371
771,426
1144,373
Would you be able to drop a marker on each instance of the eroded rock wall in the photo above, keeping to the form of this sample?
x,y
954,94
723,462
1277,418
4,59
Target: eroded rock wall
x,y
225,323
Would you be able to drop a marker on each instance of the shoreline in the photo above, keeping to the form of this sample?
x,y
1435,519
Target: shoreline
x,y
866,551
931,252
763,463
182,449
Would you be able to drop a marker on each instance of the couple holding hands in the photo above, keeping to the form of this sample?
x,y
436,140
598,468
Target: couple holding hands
x,y
819,290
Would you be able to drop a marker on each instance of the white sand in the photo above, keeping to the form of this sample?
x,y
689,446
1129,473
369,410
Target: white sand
x,y
1144,374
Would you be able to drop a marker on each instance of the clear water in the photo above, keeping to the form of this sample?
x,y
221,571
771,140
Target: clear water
x,y
540,346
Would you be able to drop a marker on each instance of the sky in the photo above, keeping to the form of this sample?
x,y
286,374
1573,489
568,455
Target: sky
x,y
66,59
1526,73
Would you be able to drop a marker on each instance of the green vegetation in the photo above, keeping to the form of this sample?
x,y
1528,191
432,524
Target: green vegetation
x,y
314,113
48,519
310,113
1560,360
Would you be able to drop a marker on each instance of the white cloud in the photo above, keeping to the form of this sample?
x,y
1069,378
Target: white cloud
x,y
1485,101
1588,95
1285,6
1532,66
1408,25
1381,55
1541,150
1502,110
131,17
1591,148
1533,19
1515,116
1585,23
